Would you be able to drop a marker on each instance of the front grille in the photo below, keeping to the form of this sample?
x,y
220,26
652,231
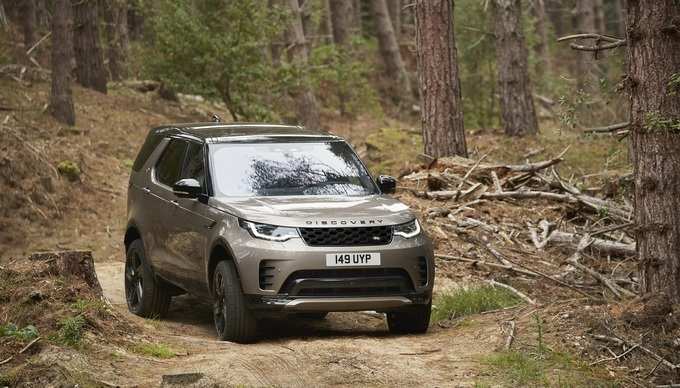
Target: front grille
x,y
422,271
371,235
348,282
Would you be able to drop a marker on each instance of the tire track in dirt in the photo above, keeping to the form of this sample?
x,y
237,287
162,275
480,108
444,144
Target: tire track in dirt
x,y
346,349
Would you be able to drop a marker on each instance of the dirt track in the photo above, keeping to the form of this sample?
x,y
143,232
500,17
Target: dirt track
x,y
346,350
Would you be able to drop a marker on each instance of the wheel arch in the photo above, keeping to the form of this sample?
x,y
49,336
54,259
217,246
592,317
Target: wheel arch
x,y
219,251
132,233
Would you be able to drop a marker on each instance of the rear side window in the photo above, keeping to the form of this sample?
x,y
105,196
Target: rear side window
x,y
170,164
147,149
193,167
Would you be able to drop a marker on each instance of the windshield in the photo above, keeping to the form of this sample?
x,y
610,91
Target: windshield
x,y
275,169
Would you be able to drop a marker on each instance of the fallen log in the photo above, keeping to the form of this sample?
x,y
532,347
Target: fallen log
x,y
606,247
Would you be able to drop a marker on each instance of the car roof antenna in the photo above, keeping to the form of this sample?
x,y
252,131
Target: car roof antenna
x,y
215,118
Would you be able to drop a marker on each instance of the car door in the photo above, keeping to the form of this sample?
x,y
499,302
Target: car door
x,y
188,237
165,173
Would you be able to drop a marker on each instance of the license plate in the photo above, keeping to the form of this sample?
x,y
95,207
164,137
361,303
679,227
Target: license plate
x,y
352,259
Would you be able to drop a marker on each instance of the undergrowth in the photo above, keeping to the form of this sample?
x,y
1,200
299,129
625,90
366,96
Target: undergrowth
x,y
472,300
71,330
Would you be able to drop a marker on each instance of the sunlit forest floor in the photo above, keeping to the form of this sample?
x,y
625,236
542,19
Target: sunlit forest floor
x,y
65,188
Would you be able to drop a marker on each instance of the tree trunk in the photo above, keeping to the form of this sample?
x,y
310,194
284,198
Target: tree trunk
x,y
395,70
135,20
306,105
61,98
598,11
341,20
586,67
90,70
28,22
517,104
115,16
653,63
541,45
394,8
442,108
357,21
620,15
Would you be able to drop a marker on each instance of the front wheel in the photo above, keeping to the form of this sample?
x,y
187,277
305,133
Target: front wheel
x,y
233,320
414,320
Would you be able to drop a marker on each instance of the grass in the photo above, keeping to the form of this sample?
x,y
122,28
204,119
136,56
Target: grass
x,y
519,368
473,300
154,350
85,305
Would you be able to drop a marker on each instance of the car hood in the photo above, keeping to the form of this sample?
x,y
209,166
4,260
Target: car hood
x,y
317,211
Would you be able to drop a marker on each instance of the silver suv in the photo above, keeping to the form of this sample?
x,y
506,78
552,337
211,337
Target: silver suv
x,y
269,220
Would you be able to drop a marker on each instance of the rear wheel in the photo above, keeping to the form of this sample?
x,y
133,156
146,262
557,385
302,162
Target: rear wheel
x,y
414,320
233,321
146,295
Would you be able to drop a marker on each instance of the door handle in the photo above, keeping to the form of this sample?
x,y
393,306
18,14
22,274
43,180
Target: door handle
x,y
146,190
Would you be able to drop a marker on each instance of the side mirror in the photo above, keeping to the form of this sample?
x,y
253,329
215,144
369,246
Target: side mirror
x,y
387,184
187,188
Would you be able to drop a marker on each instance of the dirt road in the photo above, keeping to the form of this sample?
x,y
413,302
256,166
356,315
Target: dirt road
x,y
348,349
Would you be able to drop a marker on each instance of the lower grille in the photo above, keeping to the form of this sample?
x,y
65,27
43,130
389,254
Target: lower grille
x,y
348,282
370,235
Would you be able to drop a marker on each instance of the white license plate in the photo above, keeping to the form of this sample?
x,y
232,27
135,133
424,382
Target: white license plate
x,y
352,259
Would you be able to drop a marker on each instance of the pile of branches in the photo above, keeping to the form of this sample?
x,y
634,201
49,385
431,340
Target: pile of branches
x,y
458,186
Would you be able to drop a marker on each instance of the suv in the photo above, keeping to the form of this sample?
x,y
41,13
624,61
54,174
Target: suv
x,y
269,220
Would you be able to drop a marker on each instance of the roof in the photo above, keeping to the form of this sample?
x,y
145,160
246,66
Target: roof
x,y
220,132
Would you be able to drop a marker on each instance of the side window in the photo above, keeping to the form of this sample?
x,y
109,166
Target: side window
x,y
170,163
150,144
194,164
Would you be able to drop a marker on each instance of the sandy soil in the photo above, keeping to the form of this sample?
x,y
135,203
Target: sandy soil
x,y
346,349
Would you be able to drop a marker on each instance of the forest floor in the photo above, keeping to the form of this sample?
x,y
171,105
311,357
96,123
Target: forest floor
x,y
43,210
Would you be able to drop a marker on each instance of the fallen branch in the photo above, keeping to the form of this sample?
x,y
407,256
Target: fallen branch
x,y
615,357
621,341
612,286
511,335
606,247
607,129
613,42
513,290
486,264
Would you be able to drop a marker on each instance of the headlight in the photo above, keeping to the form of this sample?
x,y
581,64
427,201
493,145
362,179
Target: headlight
x,y
407,230
269,232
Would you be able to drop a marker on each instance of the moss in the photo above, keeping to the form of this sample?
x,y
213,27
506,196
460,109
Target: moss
x,y
69,169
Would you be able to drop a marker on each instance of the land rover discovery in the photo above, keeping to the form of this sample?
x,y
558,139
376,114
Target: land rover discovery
x,y
270,220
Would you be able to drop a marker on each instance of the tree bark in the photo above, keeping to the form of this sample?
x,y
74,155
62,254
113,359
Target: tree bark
x,y
341,21
598,11
28,22
395,70
586,67
541,45
394,8
298,54
115,17
442,108
653,60
90,70
517,104
61,98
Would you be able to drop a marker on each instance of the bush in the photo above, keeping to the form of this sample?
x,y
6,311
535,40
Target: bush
x,y
71,330
69,169
11,330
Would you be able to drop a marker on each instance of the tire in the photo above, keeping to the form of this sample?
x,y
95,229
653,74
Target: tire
x,y
312,316
414,320
146,295
233,320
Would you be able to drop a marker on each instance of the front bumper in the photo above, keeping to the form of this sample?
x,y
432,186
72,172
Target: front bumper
x,y
285,303
272,270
